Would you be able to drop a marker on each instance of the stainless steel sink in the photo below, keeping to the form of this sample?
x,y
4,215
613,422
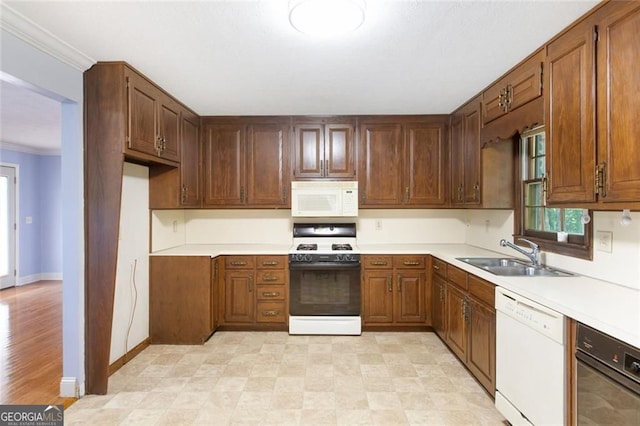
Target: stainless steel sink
x,y
513,267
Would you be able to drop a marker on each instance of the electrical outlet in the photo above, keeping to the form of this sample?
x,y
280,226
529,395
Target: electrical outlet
x,y
604,241
175,226
378,225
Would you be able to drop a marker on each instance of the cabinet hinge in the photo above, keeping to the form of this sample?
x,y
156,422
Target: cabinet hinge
x,y
128,141
601,172
595,33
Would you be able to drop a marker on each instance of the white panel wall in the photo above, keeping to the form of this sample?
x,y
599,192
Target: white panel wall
x,y
238,226
621,266
168,229
131,304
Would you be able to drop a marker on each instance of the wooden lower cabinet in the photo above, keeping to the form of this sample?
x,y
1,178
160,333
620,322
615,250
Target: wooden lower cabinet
x,y
239,300
254,291
464,317
394,290
181,299
456,321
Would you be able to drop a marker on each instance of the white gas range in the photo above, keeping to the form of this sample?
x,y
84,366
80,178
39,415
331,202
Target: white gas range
x,y
324,280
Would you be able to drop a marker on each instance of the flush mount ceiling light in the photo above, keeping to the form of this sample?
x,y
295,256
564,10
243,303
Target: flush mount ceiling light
x,y
326,17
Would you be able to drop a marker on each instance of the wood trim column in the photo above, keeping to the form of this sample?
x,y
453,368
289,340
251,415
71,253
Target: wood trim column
x,y
105,128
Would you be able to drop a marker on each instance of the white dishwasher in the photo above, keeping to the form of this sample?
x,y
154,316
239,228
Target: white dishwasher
x,y
530,361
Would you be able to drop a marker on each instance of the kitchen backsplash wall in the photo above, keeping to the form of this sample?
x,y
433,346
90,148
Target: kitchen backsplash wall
x,y
175,227
485,228
481,228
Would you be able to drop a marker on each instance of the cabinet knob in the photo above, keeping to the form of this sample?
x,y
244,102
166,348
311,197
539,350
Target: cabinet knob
x,y
270,263
269,278
379,262
411,263
270,313
270,293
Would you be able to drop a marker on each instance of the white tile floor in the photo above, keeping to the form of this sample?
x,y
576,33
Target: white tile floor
x,y
271,378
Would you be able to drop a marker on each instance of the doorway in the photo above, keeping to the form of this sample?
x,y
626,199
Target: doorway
x,y
7,226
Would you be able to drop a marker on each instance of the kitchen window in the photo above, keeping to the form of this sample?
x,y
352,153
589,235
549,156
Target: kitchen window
x,y
537,221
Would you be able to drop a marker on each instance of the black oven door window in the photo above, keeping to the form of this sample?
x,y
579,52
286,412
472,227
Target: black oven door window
x,y
324,292
602,400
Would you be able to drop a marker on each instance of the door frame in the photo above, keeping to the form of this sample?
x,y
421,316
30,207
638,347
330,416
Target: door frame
x,y
16,208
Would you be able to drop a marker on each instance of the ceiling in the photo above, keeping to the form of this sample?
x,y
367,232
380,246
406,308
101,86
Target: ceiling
x,y
244,58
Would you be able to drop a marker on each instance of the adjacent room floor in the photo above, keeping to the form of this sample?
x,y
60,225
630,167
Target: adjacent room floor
x,y
385,378
31,344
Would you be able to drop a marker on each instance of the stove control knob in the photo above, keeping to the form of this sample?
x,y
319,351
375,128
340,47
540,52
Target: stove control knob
x,y
339,258
307,258
348,258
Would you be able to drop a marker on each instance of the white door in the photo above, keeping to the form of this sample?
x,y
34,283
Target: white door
x,y
7,227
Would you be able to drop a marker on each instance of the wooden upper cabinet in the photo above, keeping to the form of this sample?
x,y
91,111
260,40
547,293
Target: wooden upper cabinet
x,y
425,164
246,163
380,164
154,119
570,114
465,155
174,188
190,161
520,86
324,150
224,172
267,165
618,102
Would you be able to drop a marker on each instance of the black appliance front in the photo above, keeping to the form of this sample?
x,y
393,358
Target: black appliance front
x,y
608,380
327,290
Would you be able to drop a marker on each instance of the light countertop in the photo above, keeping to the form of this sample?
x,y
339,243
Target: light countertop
x,y
608,307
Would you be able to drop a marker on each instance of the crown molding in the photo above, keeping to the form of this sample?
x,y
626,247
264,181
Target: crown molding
x,y
30,32
10,146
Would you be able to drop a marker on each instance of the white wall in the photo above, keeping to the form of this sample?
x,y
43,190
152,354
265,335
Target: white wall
x,y
621,266
171,228
131,302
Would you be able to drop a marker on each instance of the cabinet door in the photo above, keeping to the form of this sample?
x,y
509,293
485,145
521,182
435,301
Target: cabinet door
x,y
180,299
570,114
380,164
309,150
239,306
438,299
481,358
377,304
618,100
143,117
169,111
410,297
456,322
267,165
189,161
424,164
339,151
471,143
224,171
457,160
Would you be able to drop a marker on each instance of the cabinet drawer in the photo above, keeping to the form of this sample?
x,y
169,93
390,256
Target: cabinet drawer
x,y
239,262
457,276
270,277
409,262
271,262
377,262
482,290
270,292
271,312
439,267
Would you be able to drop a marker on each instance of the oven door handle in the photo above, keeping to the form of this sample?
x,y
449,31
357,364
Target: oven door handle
x,y
324,266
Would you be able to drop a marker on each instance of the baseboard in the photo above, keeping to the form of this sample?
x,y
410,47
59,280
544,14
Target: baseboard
x,y
120,362
69,387
47,276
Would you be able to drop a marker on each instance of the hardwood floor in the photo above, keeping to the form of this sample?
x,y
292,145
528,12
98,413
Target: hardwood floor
x,y
31,344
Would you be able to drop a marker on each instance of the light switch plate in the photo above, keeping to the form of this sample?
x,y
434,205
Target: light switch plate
x,y
604,241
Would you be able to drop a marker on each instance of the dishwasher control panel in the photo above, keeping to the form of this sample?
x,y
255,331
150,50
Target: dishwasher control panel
x,y
535,315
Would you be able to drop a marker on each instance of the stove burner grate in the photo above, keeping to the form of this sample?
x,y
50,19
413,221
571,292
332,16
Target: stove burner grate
x,y
345,246
307,247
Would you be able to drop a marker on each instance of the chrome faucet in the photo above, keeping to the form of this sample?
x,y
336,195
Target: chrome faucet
x,y
533,255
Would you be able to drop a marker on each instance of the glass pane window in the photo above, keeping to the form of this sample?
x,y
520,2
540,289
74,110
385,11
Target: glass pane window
x,y
537,216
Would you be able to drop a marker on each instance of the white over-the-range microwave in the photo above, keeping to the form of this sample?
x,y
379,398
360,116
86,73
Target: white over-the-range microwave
x,y
324,198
